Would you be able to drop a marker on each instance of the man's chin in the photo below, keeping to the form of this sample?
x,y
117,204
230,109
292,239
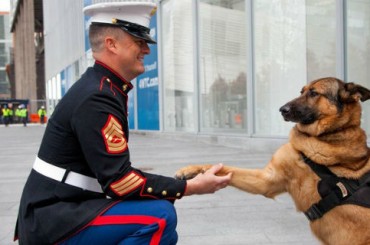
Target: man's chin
x,y
141,70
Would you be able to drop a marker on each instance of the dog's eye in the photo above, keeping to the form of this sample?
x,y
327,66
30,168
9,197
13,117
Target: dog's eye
x,y
313,93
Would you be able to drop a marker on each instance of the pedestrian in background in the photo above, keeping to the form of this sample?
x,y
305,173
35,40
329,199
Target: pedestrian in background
x,y
10,113
83,188
42,112
23,114
6,115
18,114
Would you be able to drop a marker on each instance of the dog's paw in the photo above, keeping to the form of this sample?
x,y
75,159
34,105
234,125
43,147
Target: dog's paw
x,y
189,172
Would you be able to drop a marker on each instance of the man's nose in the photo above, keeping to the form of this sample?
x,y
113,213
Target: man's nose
x,y
145,48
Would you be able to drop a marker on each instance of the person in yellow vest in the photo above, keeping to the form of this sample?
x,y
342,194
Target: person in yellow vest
x,y
11,113
6,114
42,114
18,114
23,115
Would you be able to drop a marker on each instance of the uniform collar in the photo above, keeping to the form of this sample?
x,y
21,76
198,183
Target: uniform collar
x,y
119,82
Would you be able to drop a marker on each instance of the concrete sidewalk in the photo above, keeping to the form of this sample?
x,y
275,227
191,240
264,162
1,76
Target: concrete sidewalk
x,y
228,217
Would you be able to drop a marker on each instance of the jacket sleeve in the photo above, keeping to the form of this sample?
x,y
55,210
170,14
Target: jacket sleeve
x,y
100,124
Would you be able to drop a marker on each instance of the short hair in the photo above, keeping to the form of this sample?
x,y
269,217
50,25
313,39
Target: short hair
x,y
97,34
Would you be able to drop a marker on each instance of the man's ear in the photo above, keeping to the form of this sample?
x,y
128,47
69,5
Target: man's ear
x,y
110,44
352,92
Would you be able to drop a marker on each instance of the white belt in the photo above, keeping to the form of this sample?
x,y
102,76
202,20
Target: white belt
x,y
72,178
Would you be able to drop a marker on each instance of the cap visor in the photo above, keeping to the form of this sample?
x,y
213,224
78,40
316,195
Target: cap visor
x,y
141,35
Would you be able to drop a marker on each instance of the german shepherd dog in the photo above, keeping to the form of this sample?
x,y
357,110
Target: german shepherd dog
x,y
327,133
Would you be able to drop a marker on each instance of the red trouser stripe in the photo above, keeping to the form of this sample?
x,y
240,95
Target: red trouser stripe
x,y
136,219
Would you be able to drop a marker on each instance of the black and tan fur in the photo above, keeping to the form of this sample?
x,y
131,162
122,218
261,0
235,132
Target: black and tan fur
x,y
327,116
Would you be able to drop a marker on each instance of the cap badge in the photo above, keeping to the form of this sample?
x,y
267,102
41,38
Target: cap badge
x,y
114,21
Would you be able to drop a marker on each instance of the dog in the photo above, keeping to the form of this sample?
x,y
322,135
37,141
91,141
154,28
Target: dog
x,y
327,133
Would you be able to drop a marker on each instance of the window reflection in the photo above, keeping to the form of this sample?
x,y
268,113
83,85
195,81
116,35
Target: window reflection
x,y
321,49
358,49
290,49
178,66
222,61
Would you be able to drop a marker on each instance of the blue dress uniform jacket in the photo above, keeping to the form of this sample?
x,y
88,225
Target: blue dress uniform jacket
x,y
87,134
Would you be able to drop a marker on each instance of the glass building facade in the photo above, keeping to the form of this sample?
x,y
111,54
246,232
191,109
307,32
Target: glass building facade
x,y
229,65
225,67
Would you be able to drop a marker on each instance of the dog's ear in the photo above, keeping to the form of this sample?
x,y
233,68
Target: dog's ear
x,y
352,92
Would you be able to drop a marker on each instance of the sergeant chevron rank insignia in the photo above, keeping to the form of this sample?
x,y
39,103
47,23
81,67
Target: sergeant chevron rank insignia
x,y
115,141
127,184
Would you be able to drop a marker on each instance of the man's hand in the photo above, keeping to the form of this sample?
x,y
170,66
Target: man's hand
x,y
207,182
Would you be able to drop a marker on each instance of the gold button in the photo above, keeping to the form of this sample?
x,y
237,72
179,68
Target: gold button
x,y
164,193
178,194
124,87
149,190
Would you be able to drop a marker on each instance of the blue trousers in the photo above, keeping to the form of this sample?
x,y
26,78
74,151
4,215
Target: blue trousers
x,y
149,222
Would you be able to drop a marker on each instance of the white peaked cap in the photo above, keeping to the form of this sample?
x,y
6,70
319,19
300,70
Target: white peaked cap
x,y
132,17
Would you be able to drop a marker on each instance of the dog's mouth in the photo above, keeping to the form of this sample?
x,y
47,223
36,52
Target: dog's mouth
x,y
302,115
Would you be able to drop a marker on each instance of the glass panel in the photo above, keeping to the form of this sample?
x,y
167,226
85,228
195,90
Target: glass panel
x,y
289,50
321,49
280,63
3,78
358,49
177,53
222,61
2,27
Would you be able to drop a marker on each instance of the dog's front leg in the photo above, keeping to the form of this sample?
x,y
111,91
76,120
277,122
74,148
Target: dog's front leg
x,y
268,181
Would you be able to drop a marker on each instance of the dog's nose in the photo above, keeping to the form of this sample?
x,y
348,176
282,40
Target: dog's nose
x,y
284,109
